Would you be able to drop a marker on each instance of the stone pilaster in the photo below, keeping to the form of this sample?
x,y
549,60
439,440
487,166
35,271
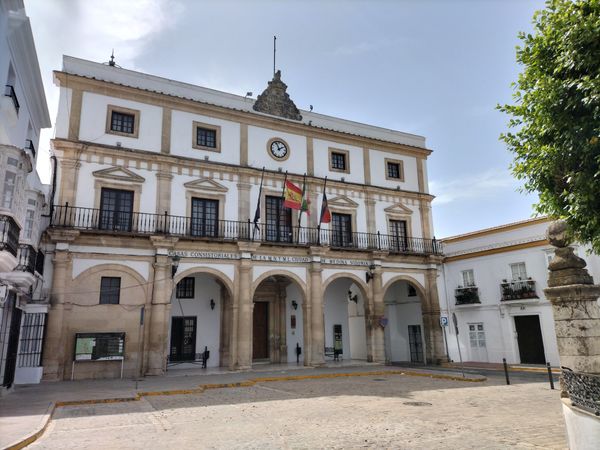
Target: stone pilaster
x,y
371,226
163,190
244,200
317,318
244,306
434,340
375,309
69,171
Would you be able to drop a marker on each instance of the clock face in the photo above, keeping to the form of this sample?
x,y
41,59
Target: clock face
x,y
279,149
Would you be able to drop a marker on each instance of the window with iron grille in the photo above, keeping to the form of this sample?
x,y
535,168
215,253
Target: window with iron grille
x,y
338,161
110,290
185,288
393,170
122,122
32,335
206,137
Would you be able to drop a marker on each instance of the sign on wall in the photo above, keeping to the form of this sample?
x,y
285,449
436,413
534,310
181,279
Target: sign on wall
x,y
99,346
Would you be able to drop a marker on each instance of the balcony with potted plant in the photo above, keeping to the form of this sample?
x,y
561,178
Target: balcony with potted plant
x,y
467,295
518,290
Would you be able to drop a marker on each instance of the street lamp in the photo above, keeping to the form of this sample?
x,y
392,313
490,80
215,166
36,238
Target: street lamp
x,y
174,265
369,274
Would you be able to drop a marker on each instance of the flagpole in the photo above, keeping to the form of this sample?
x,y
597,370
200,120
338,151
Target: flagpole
x,y
282,201
257,212
301,206
321,213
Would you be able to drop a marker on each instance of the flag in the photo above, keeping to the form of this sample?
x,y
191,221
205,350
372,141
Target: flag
x,y
305,200
325,213
292,196
257,212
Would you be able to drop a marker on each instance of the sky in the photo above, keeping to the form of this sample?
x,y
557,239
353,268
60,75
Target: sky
x,y
436,68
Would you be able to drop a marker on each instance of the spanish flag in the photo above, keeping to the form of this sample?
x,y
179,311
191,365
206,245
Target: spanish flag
x,y
292,196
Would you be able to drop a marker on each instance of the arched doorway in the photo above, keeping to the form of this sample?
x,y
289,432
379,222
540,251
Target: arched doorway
x,y
344,319
278,320
404,333
200,322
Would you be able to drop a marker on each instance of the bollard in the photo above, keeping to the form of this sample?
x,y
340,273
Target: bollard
x,y
506,370
550,375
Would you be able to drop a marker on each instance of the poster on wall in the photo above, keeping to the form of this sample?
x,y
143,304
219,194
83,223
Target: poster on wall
x,y
99,347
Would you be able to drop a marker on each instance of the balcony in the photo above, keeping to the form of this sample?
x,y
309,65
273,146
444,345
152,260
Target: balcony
x,y
143,224
468,295
27,258
9,235
29,146
518,290
10,92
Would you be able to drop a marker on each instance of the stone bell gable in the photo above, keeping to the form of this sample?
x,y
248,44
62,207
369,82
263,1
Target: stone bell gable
x,y
275,100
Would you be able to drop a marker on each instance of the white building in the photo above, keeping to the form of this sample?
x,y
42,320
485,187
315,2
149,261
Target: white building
x,y
23,112
153,172
493,280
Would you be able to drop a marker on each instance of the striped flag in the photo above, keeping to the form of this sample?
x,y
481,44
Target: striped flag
x,y
292,196
325,213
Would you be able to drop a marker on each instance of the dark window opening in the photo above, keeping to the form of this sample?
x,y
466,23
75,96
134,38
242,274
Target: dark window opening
x,y
185,288
399,234
393,170
205,137
116,209
338,161
342,230
205,217
122,122
279,220
110,290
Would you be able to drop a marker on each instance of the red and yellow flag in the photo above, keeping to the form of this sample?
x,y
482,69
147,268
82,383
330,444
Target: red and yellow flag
x,y
292,196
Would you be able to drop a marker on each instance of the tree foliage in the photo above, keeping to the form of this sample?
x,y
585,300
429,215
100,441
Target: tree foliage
x,y
555,120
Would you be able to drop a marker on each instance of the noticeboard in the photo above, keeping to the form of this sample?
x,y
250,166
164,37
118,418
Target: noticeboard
x,y
99,346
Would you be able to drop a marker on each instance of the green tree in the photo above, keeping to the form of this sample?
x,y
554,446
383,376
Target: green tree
x,y
555,120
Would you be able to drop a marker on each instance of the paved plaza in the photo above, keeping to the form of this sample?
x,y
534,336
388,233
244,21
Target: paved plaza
x,y
382,410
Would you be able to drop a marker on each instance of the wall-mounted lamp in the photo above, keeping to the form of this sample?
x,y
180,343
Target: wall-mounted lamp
x,y
174,265
352,298
369,274
294,304
212,304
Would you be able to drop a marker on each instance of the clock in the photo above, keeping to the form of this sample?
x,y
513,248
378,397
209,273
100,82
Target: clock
x,y
278,149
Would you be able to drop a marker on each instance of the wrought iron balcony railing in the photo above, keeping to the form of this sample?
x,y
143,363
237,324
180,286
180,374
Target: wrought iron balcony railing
x,y
518,290
9,234
27,257
229,230
467,295
29,145
10,92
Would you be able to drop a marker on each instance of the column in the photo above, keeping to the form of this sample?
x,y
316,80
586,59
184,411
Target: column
x,y
245,311
69,170
244,207
371,225
317,320
160,315
163,190
430,306
376,337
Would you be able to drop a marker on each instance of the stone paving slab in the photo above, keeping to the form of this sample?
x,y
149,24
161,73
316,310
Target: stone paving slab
x,y
380,411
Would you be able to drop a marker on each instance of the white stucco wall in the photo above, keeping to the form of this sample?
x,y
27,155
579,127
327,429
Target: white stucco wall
x,y
258,155
378,170
321,161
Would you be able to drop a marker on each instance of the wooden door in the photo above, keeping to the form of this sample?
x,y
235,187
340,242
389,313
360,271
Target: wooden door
x,y
183,339
260,331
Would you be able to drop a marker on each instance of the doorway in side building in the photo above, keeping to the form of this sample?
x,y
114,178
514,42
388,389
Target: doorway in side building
x,y
529,339
477,342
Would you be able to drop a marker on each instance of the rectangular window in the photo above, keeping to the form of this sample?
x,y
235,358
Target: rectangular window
x,y
518,271
10,179
122,122
206,137
341,227
110,290
399,235
278,220
29,218
468,278
338,161
476,335
393,170
185,288
205,217
116,209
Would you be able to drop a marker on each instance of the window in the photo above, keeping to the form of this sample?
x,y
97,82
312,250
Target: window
x,y
279,220
110,290
468,278
341,227
338,161
205,217
10,179
29,218
206,137
518,271
393,170
399,234
412,291
122,122
185,288
476,335
116,209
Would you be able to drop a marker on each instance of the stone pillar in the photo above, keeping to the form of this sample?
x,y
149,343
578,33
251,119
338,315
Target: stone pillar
x,y
317,320
160,316
163,190
434,341
56,352
371,226
69,170
574,300
243,201
245,305
376,310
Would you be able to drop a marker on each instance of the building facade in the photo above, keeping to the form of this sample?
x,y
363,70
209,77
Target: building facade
x,y
158,261
493,280
23,112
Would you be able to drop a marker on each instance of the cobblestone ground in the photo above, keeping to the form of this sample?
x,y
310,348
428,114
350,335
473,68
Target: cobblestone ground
x,y
358,412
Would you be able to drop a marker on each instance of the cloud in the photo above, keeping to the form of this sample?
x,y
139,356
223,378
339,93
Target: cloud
x,y
487,184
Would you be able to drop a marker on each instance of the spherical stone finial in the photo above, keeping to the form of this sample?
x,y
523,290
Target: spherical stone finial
x,y
557,234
